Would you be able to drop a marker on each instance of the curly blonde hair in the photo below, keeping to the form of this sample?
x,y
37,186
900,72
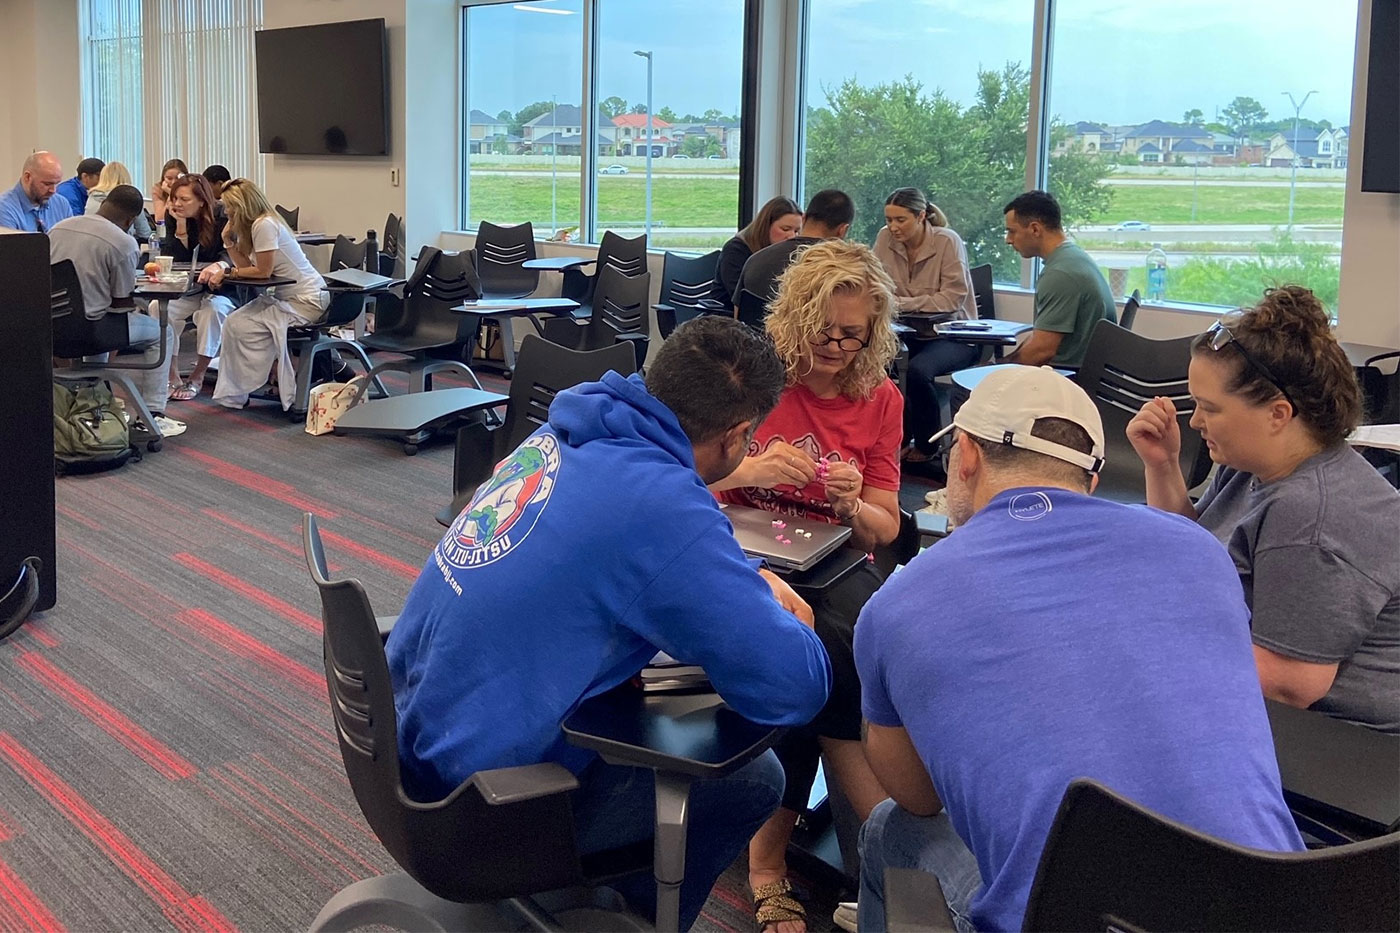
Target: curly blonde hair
x,y
799,313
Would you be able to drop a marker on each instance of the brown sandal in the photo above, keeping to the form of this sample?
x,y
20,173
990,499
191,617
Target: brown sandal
x,y
773,903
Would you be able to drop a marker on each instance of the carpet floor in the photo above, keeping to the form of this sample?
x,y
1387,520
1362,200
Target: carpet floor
x,y
166,751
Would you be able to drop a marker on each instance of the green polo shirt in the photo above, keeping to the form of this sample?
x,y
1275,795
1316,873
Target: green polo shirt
x,y
1071,297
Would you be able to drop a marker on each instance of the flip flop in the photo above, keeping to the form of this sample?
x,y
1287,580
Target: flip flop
x,y
184,392
774,903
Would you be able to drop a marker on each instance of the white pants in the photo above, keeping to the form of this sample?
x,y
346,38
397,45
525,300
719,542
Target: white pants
x,y
143,334
255,338
208,312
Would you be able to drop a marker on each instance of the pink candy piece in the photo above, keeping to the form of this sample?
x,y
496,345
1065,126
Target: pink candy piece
x,y
822,468
779,525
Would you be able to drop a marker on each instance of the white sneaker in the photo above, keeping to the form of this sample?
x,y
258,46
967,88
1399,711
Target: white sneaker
x,y
169,427
845,916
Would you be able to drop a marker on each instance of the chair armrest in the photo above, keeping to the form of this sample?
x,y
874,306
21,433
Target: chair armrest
x,y
501,786
639,343
473,457
714,306
662,306
914,902
1382,356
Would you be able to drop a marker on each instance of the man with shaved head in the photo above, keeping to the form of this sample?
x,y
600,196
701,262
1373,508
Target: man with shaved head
x,y
30,205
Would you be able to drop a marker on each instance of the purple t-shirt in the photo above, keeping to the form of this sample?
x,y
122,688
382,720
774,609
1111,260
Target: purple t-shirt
x,y
1056,636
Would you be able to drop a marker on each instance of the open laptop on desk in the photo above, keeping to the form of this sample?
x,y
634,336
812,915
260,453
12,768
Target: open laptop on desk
x,y
753,529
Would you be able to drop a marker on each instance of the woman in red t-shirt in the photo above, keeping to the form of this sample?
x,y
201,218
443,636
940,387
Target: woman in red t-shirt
x,y
829,452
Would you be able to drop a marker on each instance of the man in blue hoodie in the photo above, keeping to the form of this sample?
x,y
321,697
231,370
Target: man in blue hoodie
x,y
595,544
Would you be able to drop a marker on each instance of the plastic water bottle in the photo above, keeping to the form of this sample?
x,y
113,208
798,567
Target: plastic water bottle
x,y
1156,273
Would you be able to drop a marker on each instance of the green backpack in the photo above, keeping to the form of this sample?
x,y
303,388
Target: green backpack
x,y
89,432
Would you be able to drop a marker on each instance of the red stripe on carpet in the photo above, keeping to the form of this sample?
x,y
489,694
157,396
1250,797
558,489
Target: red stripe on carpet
x,y
261,791
258,483
355,821
23,910
392,564
245,646
266,600
293,549
107,718
7,827
179,907
275,841
40,634
74,515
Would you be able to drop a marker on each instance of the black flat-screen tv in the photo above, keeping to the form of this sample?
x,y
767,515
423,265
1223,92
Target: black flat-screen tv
x,y
1380,163
324,90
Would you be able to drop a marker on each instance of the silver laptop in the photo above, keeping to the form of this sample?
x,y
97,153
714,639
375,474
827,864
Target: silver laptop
x,y
753,529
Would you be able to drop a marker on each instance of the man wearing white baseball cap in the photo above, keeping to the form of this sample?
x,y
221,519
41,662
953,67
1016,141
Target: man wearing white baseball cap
x,y
1052,636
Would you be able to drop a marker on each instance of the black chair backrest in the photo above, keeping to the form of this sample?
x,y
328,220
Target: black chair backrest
x,y
904,547
1121,372
74,335
392,261
292,215
347,254
459,848
983,291
628,256
1109,864
752,309
1380,390
620,306
500,256
440,281
685,282
543,369
344,306
1130,310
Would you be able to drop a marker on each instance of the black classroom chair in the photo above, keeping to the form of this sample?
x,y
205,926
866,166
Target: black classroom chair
x,y
627,256
685,287
501,253
1130,310
621,313
290,215
752,309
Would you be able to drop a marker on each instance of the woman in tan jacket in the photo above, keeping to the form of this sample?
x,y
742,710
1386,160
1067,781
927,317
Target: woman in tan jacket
x,y
928,263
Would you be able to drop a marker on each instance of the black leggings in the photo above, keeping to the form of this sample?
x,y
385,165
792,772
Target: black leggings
x,y
834,614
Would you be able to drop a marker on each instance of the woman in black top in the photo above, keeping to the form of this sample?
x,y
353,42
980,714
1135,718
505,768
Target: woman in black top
x,y
778,220
192,222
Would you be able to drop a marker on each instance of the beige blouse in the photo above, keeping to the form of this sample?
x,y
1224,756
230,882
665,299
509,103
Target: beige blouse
x,y
937,280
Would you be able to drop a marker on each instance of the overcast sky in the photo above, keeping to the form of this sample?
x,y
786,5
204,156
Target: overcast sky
x,y
1115,61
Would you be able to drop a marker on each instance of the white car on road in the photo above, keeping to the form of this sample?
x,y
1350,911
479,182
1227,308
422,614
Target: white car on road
x,y
613,169
1133,225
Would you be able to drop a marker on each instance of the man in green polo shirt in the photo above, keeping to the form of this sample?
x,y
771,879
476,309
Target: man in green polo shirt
x,y
1071,295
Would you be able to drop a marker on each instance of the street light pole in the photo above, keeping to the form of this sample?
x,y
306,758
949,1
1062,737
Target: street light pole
x,y
554,166
648,57
1293,176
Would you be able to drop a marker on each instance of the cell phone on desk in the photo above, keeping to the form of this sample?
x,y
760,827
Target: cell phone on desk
x,y
967,325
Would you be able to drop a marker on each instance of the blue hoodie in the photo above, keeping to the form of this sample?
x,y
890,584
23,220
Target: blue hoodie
x,y
594,545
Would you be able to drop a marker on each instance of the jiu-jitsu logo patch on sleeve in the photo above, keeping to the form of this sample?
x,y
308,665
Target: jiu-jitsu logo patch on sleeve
x,y
506,507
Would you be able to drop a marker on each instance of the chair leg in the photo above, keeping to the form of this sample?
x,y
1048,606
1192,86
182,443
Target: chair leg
x,y
399,902
140,410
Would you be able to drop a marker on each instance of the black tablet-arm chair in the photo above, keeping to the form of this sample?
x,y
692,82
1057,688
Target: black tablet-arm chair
x,y
391,252
620,314
440,282
1121,372
315,340
685,288
1110,864
752,309
542,370
501,254
505,834
290,215
628,256
1130,310
75,336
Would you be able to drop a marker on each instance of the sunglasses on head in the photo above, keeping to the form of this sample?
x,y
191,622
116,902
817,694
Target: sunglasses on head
x,y
1220,336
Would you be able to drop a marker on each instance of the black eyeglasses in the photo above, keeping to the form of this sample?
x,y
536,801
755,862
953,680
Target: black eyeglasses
x,y
1220,336
943,449
849,344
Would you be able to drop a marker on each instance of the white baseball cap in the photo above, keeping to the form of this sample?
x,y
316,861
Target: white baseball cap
x,y
1006,404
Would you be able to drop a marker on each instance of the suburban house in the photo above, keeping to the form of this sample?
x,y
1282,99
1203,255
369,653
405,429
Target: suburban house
x,y
560,131
1165,139
1087,137
1193,151
1312,148
630,133
486,133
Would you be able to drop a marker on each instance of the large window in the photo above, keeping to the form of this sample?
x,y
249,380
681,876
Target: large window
x,y
933,95
1205,149
524,131
169,79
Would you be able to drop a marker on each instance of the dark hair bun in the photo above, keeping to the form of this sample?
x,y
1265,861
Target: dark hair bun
x,y
1291,311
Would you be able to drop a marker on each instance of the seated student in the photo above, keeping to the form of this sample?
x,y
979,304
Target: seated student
x,y
104,257
1080,638
76,188
1071,294
190,222
216,175
160,191
1313,529
30,205
500,640
112,175
777,221
255,336
831,324
928,263
829,216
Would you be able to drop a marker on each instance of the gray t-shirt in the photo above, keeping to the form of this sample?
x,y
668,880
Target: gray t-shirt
x,y
1319,556
103,255
762,269
1071,297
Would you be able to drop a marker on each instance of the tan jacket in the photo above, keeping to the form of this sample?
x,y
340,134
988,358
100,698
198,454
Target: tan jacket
x,y
937,280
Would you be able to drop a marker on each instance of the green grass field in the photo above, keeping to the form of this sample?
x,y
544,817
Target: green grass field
x,y
711,202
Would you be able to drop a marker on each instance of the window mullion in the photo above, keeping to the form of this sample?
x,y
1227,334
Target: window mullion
x,y
588,114
1038,118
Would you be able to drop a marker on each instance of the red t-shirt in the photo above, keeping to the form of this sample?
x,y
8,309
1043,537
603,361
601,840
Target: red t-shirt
x,y
865,433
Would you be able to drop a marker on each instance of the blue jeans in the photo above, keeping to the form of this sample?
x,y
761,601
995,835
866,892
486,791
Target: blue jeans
x,y
615,806
929,359
895,838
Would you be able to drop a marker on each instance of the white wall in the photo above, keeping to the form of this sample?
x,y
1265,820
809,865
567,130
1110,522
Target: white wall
x,y
38,114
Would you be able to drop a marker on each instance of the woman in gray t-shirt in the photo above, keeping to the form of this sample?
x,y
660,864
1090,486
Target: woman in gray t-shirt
x,y
1313,529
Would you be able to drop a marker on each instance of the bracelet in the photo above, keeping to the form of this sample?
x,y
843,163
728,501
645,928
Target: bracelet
x,y
860,504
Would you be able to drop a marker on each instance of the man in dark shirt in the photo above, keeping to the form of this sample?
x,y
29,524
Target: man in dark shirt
x,y
829,215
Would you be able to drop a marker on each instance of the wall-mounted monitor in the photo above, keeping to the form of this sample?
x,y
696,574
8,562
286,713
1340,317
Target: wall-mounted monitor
x,y
1380,163
324,90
